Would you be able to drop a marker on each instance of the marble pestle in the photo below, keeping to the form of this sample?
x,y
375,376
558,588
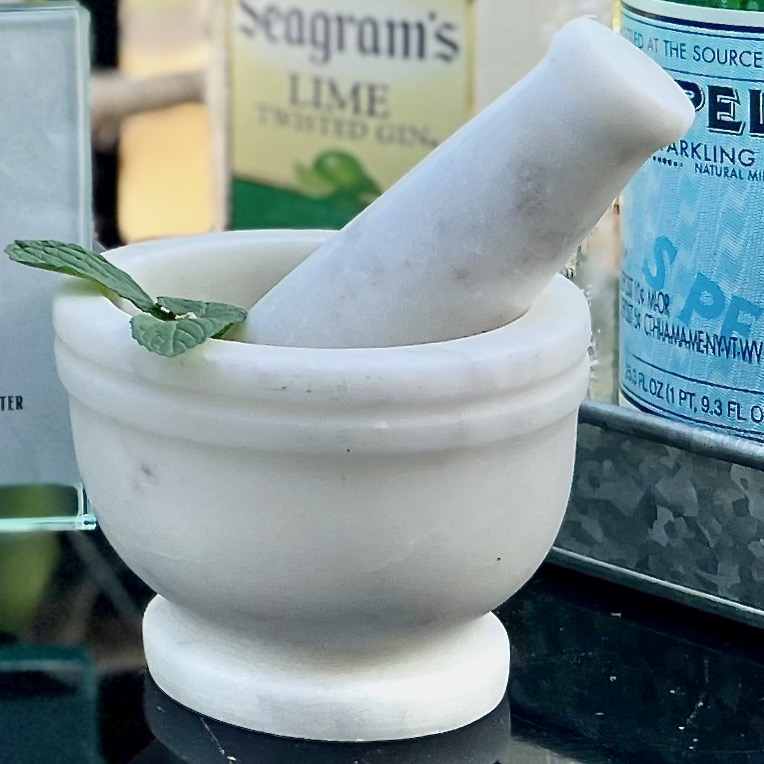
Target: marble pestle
x,y
468,239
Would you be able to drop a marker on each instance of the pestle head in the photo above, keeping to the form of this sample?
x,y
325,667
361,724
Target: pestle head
x,y
599,64
466,241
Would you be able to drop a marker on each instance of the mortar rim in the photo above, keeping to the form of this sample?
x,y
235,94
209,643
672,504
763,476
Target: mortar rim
x,y
505,359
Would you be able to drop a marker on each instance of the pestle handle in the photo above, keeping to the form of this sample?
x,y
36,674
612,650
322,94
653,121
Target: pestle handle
x,y
467,240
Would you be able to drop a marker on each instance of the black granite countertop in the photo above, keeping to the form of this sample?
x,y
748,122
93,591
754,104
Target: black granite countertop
x,y
600,674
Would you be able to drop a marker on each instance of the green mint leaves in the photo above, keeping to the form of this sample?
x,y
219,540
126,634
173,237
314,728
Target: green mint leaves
x,y
76,261
193,323
168,326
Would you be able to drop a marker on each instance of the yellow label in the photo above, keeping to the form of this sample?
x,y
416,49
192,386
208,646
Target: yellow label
x,y
339,99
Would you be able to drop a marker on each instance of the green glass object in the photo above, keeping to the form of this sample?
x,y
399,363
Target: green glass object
x,y
48,705
730,5
28,508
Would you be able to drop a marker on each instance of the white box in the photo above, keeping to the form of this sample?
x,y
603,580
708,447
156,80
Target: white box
x,y
45,192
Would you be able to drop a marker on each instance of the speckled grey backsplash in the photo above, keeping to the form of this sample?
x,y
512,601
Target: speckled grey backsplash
x,y
667,507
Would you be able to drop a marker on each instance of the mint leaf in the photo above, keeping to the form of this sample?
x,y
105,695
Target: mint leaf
x,y
170,326
203,321
216,311
76,261
168,338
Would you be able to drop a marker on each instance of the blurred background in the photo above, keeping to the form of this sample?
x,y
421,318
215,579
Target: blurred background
x,y
152,133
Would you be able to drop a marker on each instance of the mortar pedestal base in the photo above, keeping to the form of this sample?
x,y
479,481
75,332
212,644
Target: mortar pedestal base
x,y
329,681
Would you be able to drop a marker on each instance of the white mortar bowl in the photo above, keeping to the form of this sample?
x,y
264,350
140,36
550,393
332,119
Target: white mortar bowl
x,y
327,530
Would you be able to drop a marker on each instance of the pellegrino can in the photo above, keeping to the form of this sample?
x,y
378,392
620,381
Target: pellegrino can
x,y
692,284
329,102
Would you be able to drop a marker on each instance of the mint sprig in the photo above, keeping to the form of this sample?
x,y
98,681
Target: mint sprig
x,y
194,322
76,261
168,326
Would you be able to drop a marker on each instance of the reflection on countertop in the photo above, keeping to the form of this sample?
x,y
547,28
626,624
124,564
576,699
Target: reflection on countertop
x,y
600,675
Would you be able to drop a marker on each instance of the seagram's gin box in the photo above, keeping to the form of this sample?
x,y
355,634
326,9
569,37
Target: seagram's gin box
x,y
45,192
